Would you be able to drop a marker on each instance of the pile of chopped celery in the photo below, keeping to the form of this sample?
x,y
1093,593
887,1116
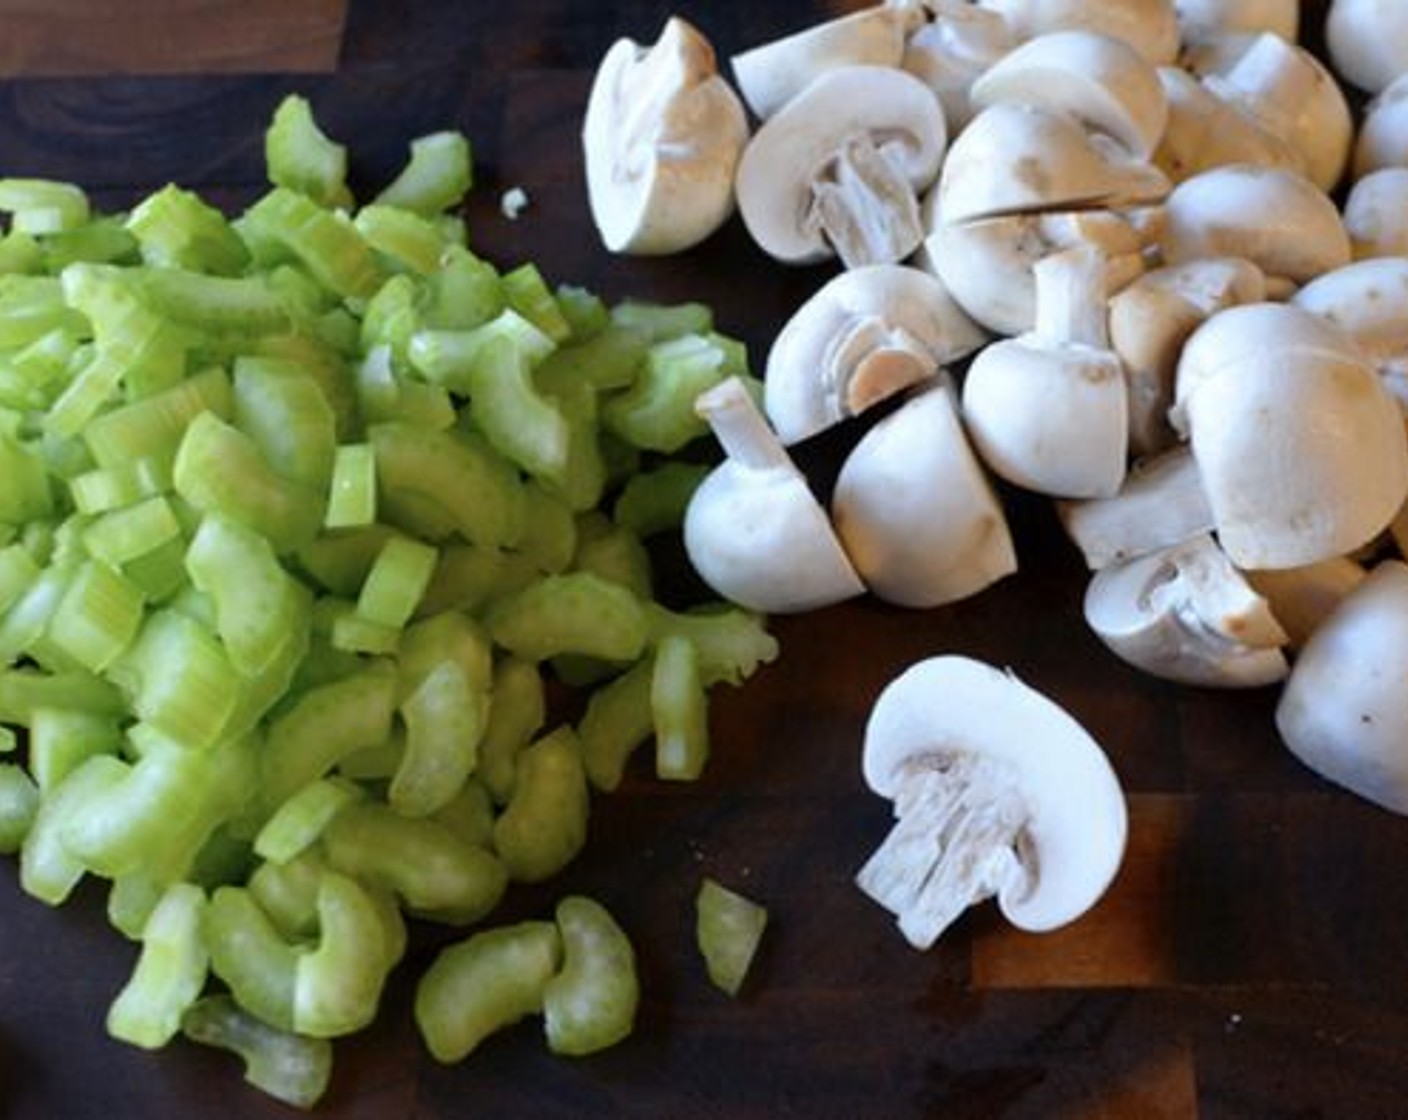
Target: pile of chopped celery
x,y
300,513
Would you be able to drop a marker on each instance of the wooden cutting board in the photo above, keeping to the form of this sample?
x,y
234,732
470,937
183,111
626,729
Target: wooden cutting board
x,y
1251,959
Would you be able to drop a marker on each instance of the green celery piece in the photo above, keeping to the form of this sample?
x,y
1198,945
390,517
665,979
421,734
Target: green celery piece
x,y
679,710
657,412
300,156
26,690
528,294
160,573
19,805
585,312
452,357
178,229
732,642
20,253
338,983
169,974
249,955
590,1004
583,479
544,825
728,929
463,293
283,410
135,530
103,240
663,321
322,362
391,319
49,870
98,616
655,501
408,240
32,307
436,178
18,571
247,304
287,1066
573,613
618,719
49,358
23,626
299,821
152,428
43,205
352,490
450,635
398,578
329,247
288,892
26,495
469,576
550,537
339,561
61,740
612,552
609,359
445,717
469,814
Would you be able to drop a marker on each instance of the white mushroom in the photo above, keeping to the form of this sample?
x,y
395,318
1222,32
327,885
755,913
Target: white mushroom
x,y
1204,132
1201,20
1185,614
915,511
771,74
1368,41
1302,598
1383,133
1048,410
949,53
998,791
1100,80
838,170
1016,158
864,335
1368,300
661,139
1149,26
1376,214
753,530
1344,710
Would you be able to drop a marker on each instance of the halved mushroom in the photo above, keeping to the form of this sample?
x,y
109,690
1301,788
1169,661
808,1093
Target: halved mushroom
x,y
838,170
1344,710
915,511
1149,26
1185,614
1383,133
1368,300
998,791
1367,42
948,54
1376,214
753,530
661,138
772,74
865,335
1204,132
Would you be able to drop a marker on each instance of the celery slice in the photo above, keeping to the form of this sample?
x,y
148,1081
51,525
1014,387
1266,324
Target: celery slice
x,y
301,157
396,582
43,205
287,1066
329,247
436,177
98,616
728,929
573,613
410,241
283,410
175,227
300,820
19,805
679,711
169,973
125,534
528,294
352,491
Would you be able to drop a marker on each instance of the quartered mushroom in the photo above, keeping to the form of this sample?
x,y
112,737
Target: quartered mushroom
x,y
998,792
838,170
1368,300
1376,214
950,52
1302,598
1149,26
662,136
1203,131
863,336
1185,614
1344,710
771,74
753,530
915,510
1048,410
1382,140
1367,41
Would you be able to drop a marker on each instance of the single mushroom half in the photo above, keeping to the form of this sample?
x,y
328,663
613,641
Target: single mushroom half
x,y
1383,132
1185,614
753,529
1367,41
915,510
863,336
838,170
662,137
952,50
1149,26
1376,214
998,792
1204,131
1344,710
1368,300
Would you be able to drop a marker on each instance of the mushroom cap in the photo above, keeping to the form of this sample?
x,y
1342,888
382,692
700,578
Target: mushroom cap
x,y
1015,158
1367,41
771,74
1204,132
1376,214
1100,80
1368,300
1207,19
915,511
865,334
1383,132
1077,826
1344,710
1184,614
661,138
1149,26
948,53
794,147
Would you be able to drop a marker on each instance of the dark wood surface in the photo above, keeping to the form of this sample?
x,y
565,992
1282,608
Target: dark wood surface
x,y
1250,961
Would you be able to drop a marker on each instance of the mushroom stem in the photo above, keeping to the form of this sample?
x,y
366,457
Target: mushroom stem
x,y
1071,297
739,426
865,206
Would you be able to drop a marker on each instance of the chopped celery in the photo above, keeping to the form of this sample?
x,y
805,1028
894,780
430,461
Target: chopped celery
x,y
618,719
728,928
591,1003
409,240
528,294
655,501
19,804
169,974
517,712
544,825
329,247
397,580
573,613
300,156
679,710
175,227
62,739
287,1066
283,410
244,303
43,205
125,534
98,616
352,491
657,412
436,177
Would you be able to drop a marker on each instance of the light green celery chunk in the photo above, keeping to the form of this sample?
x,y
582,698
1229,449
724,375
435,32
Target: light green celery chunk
x,y
573,613
378,387
48,869
327,245
24,691
463,293
26,495
103,240
550,530
445,717
583,479
326,365
612,552
324,724
516,713
23,625
179,679
528,294
43,205
288,893
663,321
220,470
175,227
609,359
449,635
433,871
125,534
585,312
283,410
732,642
61,740
18,571
20,253
469,814
617,721
483,984
728,929
657,412
19,805
249,955
287,1066
352,492
591,1003
408,239
169,974
9,740
468,576
680,711
655,501
397,580
160,573
301,819
390,320
49,358
247,304
340,560
301,157
435,484
338,983
105,489
152,427
375,764
98,616
436,177
544,825
353,632
32,307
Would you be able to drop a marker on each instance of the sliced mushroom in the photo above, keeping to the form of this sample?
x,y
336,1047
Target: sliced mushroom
x,y
838,170
1048,410
998,791
1302,598
1100,80
915,511
952,50
1185,614
1204,132
1376,214
1344,710
662,136
1367,42
753,530
772,74
1149,26
1383,133
865,335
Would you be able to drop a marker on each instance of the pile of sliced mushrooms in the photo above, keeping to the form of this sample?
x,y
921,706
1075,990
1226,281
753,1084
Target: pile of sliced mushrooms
x,y
1173,262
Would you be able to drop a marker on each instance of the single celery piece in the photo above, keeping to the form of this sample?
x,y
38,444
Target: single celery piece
x,y
609,359
483,984
657,412
43,205
287,1066
18,571
152,428
175,227
338,984
409,240
549,538
516,714
299,821
353,632
655,501
573,613
583,480
438,174
328,247
98,616
247,304
352,491
463,293
663,321
283,410
169,974
48,869
125,534
618,719
680,711
445,718
340,561
591,1003
19,805
528,294
61,740
26,495
467,577
288,893
585,312
301,157
544,825
250,956
25,691
614,553
398,578
728,929
469,814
